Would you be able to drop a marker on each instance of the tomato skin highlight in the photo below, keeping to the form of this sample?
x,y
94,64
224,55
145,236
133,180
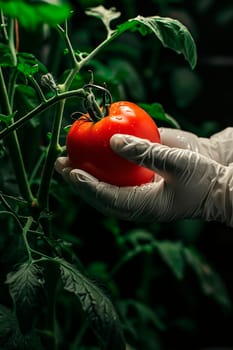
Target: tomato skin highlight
x,y
88,145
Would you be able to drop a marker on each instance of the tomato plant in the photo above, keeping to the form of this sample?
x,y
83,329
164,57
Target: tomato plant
x,y
88,144
60,287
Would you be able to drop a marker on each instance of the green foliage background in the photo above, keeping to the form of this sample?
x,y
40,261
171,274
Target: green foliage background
x,y
166,286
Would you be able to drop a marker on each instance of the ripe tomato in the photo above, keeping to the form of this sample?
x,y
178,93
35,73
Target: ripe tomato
x,y
88,144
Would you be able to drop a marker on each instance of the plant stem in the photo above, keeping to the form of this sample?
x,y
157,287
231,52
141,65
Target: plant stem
x,y
14,147
25,231
87,58
51,288
3,27
12,41
64,34
53,151
41,108
37,88
76,67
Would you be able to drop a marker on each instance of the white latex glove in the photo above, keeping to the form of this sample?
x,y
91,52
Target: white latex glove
x,y
218,147
186,185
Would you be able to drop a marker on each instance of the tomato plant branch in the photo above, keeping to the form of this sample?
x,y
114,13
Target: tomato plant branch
x,y
65,36
37,88
53,152
3,27
14,147
98,48
43,106
25,231
12,86
76,67
12,40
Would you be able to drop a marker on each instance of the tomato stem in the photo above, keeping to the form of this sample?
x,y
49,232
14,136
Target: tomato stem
x,y
92,106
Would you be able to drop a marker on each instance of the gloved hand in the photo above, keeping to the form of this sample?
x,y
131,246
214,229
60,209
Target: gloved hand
x,y
218,147
187,184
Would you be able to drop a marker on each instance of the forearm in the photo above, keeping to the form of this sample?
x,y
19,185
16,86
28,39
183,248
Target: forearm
x,y
219,146
219,203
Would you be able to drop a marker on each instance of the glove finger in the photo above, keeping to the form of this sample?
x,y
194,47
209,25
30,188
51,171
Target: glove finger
x,y
167,162
66,174
61,163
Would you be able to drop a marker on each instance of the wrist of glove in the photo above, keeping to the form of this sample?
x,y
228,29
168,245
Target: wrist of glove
x,y
218,147
187,184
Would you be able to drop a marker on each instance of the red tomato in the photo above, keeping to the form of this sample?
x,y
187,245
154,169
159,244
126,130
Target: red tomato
x,y
88,144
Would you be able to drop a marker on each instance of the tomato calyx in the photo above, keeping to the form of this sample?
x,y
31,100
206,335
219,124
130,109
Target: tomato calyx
x,y
94,110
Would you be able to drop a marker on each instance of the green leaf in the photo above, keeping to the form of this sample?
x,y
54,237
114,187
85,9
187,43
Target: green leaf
x,y
32,13
28,64
186,86
24,284
138,237
170,32
7,118
123,72
26,98
210,281
6,59
156,111
173,254
11,337
97,306
145,313
8,324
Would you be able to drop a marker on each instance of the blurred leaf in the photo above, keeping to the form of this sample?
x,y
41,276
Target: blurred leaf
x,y
156,111
7,118
28,64
210,282
11,337
98,270
138,237
31,13
225,15
98,308
169,31
144,313
6,59
24,284
185,86
130,78
26,98
7,324
173,254
112,224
